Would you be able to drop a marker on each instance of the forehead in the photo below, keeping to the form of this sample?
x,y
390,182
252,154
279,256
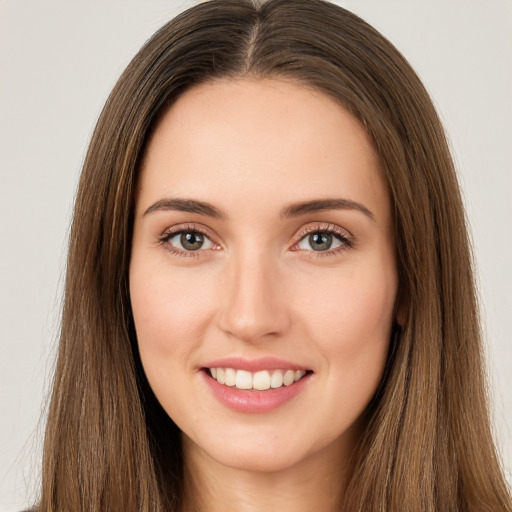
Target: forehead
x,y
247,139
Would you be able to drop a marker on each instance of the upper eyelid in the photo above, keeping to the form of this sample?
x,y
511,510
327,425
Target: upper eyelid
x,y
183,228
322,227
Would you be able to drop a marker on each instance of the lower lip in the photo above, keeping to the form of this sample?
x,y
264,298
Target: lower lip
x,y
253,401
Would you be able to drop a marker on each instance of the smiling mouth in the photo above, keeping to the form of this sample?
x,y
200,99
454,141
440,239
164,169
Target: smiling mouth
x,y
259,381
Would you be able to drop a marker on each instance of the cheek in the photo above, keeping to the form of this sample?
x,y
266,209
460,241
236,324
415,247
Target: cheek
x,y
168,317
352,307
350,316
169,308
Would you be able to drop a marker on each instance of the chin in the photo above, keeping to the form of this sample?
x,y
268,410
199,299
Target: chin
x,y
257,460
267,450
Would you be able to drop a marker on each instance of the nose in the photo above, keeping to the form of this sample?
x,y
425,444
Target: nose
x,y
253,300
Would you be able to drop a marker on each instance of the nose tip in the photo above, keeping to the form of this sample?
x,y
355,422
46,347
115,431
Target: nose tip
x,y
254,305
250,328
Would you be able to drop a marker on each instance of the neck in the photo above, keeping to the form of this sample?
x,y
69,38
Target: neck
x,y
314,483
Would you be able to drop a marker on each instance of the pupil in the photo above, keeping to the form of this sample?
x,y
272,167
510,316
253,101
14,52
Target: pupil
x,y
320,241
191,241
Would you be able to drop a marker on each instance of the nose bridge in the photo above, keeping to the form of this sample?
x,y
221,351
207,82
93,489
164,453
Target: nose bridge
x,y
253,307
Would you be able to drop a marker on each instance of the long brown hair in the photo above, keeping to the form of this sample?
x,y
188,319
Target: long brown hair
x,y
428,444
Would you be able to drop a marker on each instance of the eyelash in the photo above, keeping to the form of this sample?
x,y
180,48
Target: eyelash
x,y
189,228
342,235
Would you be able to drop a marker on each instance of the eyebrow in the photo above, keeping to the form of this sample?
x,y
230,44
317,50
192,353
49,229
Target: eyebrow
x,y
186,205
318,205
293,210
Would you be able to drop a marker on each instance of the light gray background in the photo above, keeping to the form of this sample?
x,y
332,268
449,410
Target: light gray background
x,y
59,60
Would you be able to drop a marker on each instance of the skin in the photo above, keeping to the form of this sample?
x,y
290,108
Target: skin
x,y
258,288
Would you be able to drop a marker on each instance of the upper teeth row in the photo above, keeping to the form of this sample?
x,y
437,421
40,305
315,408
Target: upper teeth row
x,y
261,380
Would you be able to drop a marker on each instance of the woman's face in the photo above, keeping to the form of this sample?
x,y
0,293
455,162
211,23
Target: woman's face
x,y
263,253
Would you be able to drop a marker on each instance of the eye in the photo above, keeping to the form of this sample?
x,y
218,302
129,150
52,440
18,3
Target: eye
x,y
328,239
186,241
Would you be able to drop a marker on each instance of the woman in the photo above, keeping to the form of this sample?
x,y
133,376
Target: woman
x,y
269,298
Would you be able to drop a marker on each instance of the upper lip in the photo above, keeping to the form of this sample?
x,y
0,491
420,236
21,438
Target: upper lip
x,y
254,365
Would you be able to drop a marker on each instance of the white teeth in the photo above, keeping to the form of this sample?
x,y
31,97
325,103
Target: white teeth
x,y
289,377
230,377
243,380
261,381
276,381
